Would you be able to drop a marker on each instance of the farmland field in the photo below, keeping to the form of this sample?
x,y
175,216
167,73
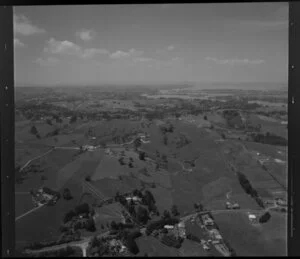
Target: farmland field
x,y
268,239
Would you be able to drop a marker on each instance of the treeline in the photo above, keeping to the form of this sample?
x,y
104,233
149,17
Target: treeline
x,y
141,214
270,139
249,189
63,252
160,224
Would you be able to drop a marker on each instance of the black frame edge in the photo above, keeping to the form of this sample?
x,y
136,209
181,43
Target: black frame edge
x,y
7,132
293,127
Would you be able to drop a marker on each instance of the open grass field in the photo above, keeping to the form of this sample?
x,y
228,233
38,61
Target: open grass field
x,y
23,203
186,192
163,198
268,239
50,166
154,247
106,214
44,223
268,150
191,248
269,125
194,229
109,187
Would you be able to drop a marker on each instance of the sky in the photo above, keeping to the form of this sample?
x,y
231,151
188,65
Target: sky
x,y
150,43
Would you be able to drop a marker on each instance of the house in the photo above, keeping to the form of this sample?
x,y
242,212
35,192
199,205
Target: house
x,y
135,199
215,234
223,249
236,206
88,148
169,227
207,220
228,205
281,202
252,218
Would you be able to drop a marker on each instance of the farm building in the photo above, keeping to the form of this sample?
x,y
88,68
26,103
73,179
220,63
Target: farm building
x,y
89,148
208,221
169,227
252,218
135,199
222,249
215,234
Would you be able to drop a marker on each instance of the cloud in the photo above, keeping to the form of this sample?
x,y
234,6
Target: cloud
x,y
151,62
171,47
18,43
50,61
266,24
235,61
86,35
143,59
62,47
22,25
122,54
69,48
87,53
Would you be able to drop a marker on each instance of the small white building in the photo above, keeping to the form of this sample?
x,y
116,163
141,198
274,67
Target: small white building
x,y
252,218
169,227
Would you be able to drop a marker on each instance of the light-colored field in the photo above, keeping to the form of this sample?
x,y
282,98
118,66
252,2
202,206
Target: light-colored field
x,y
191,248
23,203
154,247
268,239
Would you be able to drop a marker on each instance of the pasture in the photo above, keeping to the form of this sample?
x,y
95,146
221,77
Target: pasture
x,y
268,239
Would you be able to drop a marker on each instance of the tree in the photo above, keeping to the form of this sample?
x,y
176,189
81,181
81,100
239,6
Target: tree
x,y
164,158
148,198
166,215
174,210
130,164
33,130
48,121
142,215
142,155
165,140
137,143
88,178
113,225
90,225
67,194
265,217
103,144
205,117
95,242
73,119
43,178
121,161
82,208
69,215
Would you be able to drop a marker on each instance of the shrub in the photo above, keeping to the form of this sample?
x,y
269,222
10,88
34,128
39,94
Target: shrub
x,y
69,215
67,194
265,217
82,208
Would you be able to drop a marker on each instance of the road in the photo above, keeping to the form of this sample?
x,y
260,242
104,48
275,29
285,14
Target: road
x,y
37,157
28,212
83,244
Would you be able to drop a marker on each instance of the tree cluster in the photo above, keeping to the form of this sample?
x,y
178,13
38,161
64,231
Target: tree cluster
x,y
249,189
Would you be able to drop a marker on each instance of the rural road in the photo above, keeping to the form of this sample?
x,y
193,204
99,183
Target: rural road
x,y
28,212
83,244
37,157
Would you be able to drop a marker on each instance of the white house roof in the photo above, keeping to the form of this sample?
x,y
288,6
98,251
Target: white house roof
x,y
168,226
251,216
